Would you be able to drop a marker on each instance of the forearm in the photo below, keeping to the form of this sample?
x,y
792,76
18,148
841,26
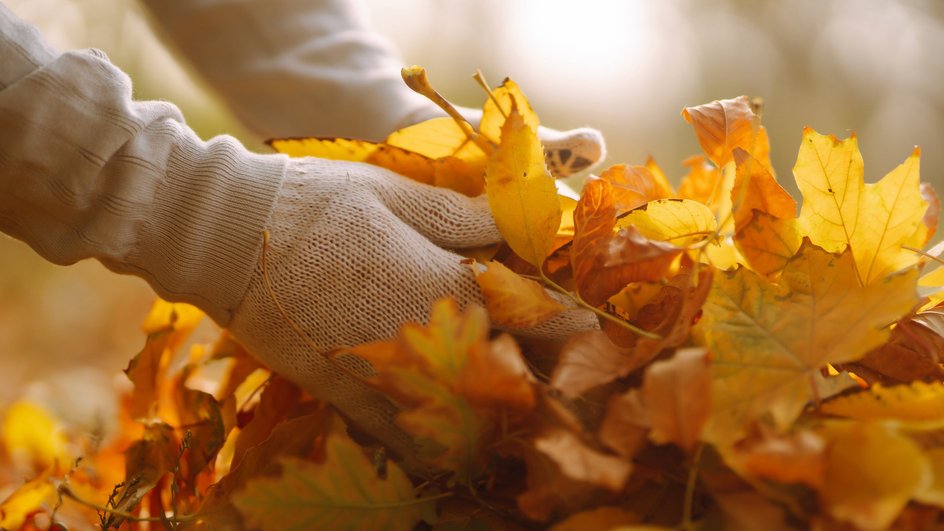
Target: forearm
x,y
86,172
294,67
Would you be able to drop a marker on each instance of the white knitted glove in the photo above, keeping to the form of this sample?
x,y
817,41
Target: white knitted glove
x,y
356,252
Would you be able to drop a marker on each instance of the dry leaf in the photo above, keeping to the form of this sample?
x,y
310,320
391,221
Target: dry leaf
x,y
514,301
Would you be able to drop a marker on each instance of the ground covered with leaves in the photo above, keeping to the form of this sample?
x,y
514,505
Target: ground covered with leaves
x,y
758,365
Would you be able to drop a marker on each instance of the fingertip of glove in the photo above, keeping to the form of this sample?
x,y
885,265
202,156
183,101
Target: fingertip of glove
x,y
573,151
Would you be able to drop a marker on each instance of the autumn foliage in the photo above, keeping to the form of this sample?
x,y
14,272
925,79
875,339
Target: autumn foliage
x,y
758,366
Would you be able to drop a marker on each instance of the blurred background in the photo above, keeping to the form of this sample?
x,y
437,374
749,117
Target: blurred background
x,y
626,67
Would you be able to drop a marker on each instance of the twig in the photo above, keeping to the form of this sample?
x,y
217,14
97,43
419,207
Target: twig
x,y
690,489
64,490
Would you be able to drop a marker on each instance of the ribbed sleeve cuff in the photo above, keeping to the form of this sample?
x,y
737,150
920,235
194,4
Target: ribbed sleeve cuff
x,y
201,243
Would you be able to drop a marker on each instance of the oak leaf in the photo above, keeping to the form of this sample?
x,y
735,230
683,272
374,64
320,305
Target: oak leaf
x,y
766,338
343,492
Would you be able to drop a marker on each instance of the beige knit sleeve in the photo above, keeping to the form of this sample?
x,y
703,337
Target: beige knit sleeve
x,y
294,67
86,172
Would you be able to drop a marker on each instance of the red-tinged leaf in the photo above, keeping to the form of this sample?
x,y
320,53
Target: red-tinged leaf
x,y
722,126
514,301
604,262
670,314
677,396
767,242
756,189
343,492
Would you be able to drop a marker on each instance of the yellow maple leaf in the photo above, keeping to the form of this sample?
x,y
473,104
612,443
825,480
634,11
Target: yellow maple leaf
x,y
766,338
521,191
33,437
839,210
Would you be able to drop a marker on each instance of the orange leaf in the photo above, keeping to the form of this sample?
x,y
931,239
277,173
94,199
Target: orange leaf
x,y
634,186
767,242
793,458
514,301
722,126
587,360
579,462
756,189
604,262
703,183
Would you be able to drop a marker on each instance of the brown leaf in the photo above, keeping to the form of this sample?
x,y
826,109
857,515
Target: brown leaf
x,y
912,352
677,395
625,425
580,462
605,262
587,360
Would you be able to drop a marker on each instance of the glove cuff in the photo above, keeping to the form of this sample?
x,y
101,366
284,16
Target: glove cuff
x,y
201,242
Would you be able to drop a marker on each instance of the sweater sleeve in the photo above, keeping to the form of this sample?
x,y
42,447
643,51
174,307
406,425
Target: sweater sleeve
x,y
86,172
294,67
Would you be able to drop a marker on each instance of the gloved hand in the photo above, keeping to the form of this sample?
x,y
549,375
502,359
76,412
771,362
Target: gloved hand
x,y
355,251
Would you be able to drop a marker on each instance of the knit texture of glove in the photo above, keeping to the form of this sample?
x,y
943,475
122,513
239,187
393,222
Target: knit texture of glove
x,y
355,252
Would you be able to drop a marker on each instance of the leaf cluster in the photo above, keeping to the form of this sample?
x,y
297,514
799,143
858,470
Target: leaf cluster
x,y
756,366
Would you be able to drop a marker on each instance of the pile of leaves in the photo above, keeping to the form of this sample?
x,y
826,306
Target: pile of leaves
x,y
756,366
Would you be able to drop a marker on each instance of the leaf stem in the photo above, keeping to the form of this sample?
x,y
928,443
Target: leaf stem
x,y
687,524
479,77
606,315
64,490
415,78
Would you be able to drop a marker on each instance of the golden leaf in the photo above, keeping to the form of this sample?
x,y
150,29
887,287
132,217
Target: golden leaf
x,y
766,338
839,210
681,222
919,401
724,125
522,192
515,301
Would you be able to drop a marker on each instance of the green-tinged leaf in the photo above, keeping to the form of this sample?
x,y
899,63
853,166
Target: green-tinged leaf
x,y
341,493
521,191
766,338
